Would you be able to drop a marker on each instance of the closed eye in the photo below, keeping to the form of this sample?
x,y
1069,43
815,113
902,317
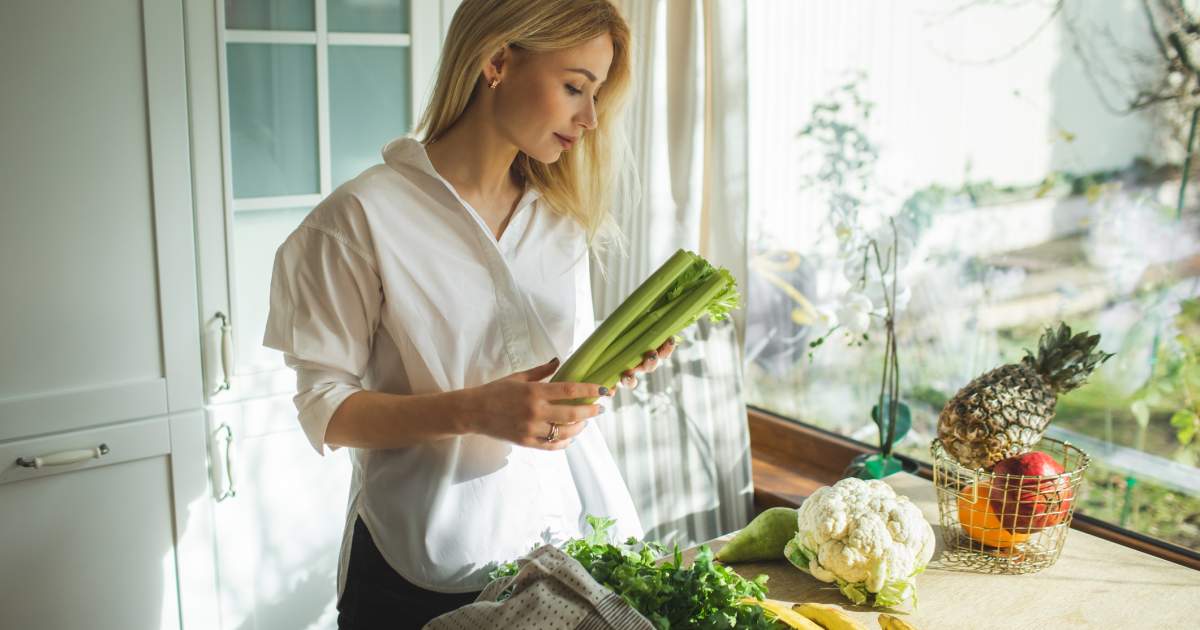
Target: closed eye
x,y
573,91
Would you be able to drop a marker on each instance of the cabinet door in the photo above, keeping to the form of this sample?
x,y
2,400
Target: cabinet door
x,y
279,519
88,536
97,263
289,100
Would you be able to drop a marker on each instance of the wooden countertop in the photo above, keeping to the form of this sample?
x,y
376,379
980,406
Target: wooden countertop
x,y
1094,584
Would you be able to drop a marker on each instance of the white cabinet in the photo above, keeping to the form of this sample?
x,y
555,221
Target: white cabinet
x,y
89,544
147,182
286,101
99,330
278,536
97,261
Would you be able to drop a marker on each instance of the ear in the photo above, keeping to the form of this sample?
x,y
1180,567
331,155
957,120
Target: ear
x,y
497,66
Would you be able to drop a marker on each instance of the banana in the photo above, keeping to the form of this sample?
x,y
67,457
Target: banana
x,y
888,622
783,613
830,617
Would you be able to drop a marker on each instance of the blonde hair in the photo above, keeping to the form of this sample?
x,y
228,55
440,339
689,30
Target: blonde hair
x,y
580,183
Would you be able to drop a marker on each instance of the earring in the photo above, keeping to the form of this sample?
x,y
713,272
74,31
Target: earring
x,y
494,83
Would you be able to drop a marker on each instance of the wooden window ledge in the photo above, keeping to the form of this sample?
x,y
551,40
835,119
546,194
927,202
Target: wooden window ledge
x,y
791,460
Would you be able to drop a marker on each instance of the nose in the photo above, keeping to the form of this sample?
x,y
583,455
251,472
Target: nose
x,y
587,117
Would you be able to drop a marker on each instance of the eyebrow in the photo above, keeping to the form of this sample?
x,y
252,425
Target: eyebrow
x,y
585,72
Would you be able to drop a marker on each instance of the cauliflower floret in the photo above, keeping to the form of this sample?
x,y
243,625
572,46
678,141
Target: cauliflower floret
x,y
862,536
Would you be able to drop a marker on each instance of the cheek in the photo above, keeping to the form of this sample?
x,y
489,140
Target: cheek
x,y
548,107
554,104
540,110
531,119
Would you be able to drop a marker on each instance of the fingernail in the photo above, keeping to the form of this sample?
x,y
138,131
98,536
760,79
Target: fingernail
x,y
603,391
653,356
671,341
555,361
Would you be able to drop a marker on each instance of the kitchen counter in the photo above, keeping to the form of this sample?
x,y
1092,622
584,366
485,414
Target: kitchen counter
x,y
1094,584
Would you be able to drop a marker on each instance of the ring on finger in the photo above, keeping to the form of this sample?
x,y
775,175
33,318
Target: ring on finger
x,y
553,435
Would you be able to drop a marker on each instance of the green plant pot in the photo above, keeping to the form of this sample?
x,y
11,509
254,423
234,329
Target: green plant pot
x,y
876,466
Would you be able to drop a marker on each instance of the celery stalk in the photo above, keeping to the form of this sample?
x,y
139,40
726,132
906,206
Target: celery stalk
x,y
713,296
692,277
632,333
583,359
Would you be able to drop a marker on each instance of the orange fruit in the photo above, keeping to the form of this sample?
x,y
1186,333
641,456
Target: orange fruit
x,y
981,523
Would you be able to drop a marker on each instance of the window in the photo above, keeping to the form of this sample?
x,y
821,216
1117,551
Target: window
x,y
987,133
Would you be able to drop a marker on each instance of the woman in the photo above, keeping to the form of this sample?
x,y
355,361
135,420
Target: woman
x,y
423,304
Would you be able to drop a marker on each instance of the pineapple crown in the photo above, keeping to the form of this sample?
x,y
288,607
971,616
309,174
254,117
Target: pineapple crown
x,y
1065,361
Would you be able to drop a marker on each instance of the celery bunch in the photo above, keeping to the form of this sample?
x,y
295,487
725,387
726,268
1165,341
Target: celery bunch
x,y
681,291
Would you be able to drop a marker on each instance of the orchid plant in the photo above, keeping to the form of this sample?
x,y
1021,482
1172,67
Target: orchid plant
x,y
871,259
854,315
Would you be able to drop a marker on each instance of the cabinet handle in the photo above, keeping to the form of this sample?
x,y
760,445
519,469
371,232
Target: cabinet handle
x,y
63,458
226,353
230,491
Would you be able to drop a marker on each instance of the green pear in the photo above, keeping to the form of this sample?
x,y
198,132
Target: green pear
x,y
763,539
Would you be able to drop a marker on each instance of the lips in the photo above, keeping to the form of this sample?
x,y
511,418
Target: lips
x,y
565,141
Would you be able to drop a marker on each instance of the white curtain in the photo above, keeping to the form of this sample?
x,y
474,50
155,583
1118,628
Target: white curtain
x,y
681,438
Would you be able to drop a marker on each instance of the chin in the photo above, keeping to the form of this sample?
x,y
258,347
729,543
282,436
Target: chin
x,y
547,157
546,153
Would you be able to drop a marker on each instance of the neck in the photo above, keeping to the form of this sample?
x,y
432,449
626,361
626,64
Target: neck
x,y
473,156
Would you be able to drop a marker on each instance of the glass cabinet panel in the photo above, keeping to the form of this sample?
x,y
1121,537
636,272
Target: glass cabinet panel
x,y
273,119
369,104
368,16
270,15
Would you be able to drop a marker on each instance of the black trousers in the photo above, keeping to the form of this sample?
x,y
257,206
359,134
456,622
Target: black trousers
x,y
376,596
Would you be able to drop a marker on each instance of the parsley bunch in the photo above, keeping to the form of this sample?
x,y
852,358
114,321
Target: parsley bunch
x,y
703,595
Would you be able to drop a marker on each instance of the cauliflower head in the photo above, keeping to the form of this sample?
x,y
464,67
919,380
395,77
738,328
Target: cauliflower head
x,y
861,535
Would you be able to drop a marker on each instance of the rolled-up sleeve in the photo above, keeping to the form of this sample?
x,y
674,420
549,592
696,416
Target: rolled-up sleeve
x,y
325,304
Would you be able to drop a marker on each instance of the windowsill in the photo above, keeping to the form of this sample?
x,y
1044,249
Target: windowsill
x,y
791,460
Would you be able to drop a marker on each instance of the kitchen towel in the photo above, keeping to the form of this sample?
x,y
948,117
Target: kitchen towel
x,y
551,591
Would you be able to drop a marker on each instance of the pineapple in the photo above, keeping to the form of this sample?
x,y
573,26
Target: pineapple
x,y
1004,412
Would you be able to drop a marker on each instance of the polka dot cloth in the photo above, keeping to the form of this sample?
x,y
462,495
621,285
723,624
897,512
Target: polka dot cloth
x,y
551,591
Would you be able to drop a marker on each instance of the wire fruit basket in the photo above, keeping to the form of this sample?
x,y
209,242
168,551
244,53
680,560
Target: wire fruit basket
x,y
1007,523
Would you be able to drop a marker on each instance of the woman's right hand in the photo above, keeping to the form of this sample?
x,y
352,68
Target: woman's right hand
x,y
523,410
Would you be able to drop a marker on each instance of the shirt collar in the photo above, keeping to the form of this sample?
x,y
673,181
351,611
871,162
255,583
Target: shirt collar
x,y
407,151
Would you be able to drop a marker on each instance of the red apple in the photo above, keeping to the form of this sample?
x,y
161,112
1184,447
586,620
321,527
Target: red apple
x,y
1042,499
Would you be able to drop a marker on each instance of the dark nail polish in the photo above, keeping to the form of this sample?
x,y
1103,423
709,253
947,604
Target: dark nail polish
x,y
653,356
603,391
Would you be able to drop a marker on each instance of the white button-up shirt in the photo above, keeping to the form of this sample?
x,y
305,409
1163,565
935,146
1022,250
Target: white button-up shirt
x,y
395,284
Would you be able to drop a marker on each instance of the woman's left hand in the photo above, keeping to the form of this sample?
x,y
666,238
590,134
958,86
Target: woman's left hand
x,y
650,363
